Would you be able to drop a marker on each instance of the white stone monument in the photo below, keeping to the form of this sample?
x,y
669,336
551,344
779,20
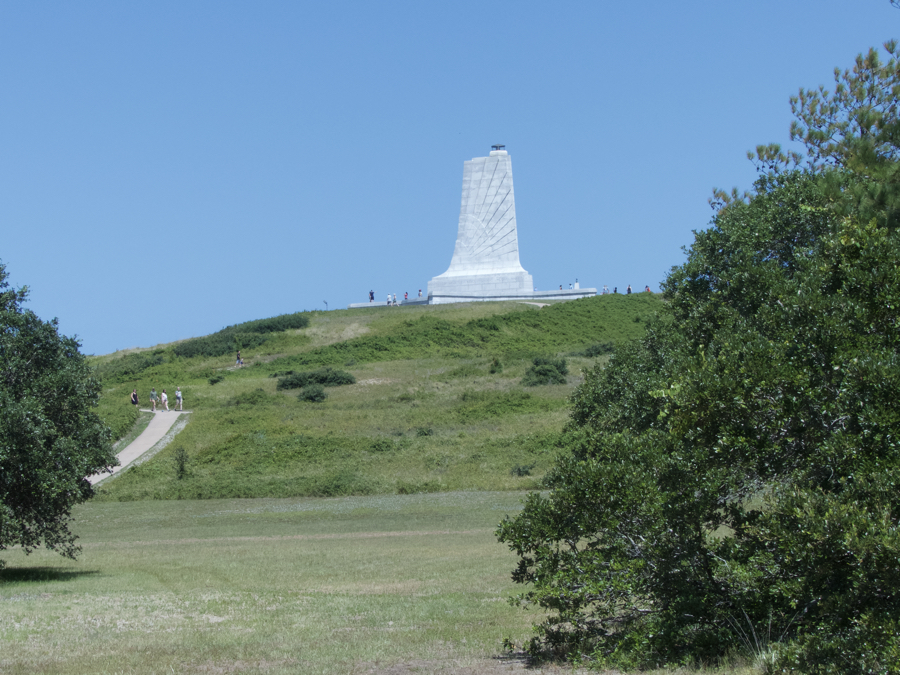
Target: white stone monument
x,y
485,264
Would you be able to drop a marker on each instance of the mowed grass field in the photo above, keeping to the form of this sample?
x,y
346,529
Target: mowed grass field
x,y
399,583
391,584
354,535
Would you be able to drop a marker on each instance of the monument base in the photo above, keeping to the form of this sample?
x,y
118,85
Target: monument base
x,y
534,296
460,287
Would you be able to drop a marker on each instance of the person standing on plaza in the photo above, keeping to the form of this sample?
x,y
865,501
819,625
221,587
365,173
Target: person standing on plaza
x,y
179,399
153,399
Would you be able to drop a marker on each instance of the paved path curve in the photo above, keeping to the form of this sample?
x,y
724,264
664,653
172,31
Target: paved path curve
x,y
160,424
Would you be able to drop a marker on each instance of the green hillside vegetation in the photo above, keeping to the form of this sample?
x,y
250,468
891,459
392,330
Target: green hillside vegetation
x,y
433,400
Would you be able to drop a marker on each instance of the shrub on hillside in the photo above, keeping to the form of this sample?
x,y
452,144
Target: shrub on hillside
x,y
314,393
328,377
218,344
478,405
129,365
496,366
245,335
381,445
255,397
274,324
546,370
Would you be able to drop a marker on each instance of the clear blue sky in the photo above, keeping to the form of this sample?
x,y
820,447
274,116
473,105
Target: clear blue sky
x,y
170,168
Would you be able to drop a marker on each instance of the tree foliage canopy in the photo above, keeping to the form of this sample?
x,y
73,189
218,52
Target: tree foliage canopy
x,y
733,477
50,437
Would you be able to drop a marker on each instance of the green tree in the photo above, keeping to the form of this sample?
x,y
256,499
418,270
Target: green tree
x,y
50,438
733,479
735,472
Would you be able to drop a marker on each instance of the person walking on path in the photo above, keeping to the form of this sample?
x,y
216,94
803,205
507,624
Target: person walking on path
x,y
179,399
389,299
395,299
165,400
420,292
371,296
238,362
628,290
406,296
153,399
134,397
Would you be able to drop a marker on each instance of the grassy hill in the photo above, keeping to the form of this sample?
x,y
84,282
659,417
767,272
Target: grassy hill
x,y
437,402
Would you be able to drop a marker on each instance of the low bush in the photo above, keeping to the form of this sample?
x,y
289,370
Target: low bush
x,y
215,379
245,335
255,397
496,366
546,370
381,445
314,393
479,405
328,377
218,344
522,469
129,365
274,324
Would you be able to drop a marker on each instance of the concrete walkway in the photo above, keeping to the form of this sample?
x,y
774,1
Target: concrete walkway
x,y
160,424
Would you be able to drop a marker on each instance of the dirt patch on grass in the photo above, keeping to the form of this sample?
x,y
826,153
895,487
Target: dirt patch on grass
x,y
500,665
376,380
221,668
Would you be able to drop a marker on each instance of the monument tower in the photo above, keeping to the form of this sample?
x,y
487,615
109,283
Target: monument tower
x,y
485,264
